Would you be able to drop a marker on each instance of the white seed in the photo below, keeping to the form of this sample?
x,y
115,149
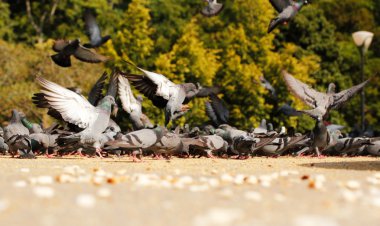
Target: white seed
x,y
351,196
104,192
85,200
218,217
279,197
239,179
227,178
314,220
20,184
45,180
44,192
4,205
199,188
251,179
25,170
253,195
65,178
352,184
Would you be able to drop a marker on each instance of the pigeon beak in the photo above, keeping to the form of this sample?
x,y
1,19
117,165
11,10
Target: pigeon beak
x,y
115,110
185,108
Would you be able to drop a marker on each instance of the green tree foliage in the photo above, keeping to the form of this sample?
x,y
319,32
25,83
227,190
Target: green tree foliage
x,y
231,50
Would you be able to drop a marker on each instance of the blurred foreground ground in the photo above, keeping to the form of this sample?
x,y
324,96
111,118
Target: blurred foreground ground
x,y
258,191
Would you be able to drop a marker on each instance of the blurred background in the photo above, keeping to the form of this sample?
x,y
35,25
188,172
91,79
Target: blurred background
x,y
231,50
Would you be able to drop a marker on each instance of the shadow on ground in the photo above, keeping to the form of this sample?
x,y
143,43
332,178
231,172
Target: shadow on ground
x,y
352,165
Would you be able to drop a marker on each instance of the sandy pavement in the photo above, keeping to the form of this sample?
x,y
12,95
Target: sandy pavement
x,y
258,191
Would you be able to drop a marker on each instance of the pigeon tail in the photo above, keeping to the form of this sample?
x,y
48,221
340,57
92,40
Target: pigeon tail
x,y
273,24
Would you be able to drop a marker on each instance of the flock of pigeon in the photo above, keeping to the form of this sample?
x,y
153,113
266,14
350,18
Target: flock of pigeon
x,y
85,125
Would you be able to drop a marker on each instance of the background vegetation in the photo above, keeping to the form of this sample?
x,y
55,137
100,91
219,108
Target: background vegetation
x,y
231,50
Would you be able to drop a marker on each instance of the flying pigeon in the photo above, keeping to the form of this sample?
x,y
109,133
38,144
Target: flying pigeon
x,y
77,110
216,110
287,9
288,110
65,49
94,96
268,86
93,31
212,9
132,105
321,103
164,93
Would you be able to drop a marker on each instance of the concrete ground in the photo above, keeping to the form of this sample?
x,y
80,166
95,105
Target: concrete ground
x,y
195,192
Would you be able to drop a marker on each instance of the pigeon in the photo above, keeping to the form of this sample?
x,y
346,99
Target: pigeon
x,y
212,9
262,129
287,9
322,138
94,96
266,84
132,105
216,110
43,142
373,149
320,102
280,145
16,135
168,145
65,49
350,145
164,93
77,110
286,109
93,31
207,144
33,127
3,146
140,140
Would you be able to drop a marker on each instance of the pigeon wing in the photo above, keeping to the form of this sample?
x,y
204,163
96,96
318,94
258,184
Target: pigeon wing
x,y
89,56
308,95
72,107
280,5
92,28
96,92
59,45
343,96
128,100
147,87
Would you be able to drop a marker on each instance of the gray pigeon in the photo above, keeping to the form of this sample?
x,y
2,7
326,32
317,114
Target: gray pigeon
x,y
168,145
93,31
95,95
322,138
213,8
373,149
164,93
65,49
77,110
43,142
3,146
33,127
280,145
139,140
16,135
350,145
217,111
321,103
287,9
132,105
288,110
266,84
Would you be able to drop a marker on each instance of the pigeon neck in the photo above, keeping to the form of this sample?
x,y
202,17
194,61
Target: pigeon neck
x,y
26,123
15,117
105,105
298,5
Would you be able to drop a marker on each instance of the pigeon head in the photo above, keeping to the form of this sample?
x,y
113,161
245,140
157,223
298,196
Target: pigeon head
x,y
331,88
139,98
107,102
16,116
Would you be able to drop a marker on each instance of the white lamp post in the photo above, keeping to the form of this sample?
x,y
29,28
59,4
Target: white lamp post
x,y
362,40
